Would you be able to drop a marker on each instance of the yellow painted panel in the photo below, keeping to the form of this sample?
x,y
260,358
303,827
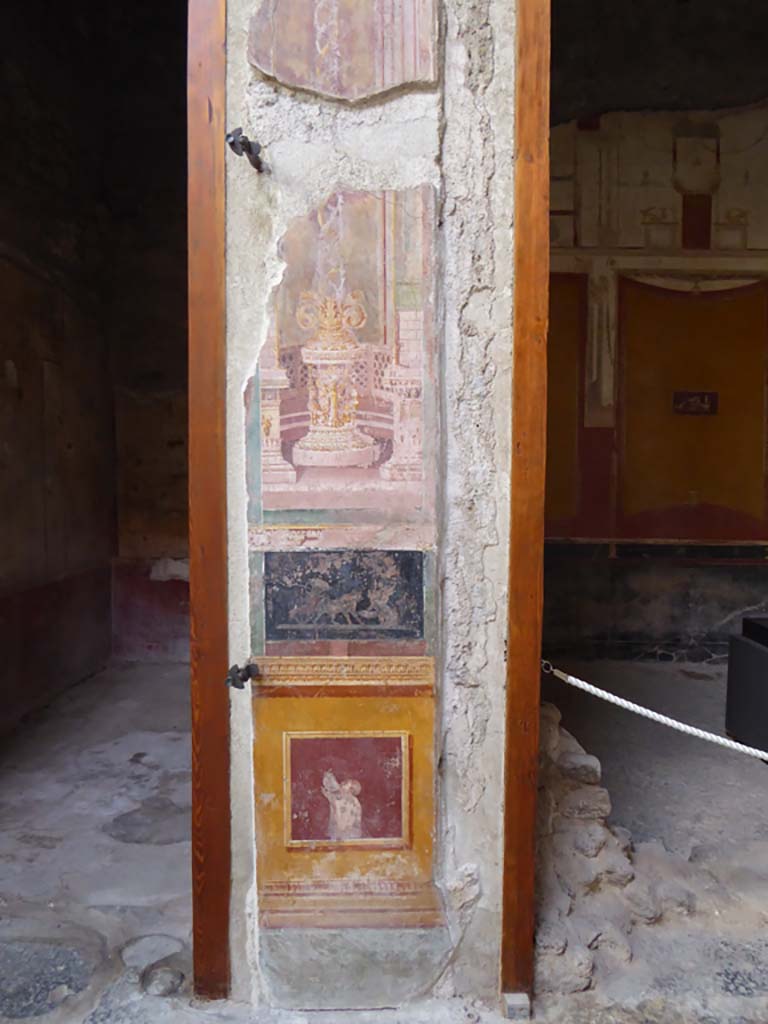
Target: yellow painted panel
x,y
712,342
281,717
566,331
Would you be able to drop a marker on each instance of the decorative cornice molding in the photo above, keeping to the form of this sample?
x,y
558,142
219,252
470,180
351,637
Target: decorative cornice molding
x,y
340,674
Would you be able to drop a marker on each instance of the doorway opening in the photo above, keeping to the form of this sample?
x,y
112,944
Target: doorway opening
x,y
656,511
94,603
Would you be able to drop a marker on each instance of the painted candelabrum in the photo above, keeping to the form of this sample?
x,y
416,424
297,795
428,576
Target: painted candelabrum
x,y
333,438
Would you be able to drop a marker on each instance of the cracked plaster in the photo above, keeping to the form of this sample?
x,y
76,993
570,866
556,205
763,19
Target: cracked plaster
x,y
459,138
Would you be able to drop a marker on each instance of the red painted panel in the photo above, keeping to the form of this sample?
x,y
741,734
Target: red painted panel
x,y
345,788
593,517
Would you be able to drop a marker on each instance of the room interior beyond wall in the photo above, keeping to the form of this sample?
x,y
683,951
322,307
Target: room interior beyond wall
x,y
145,182
56,491
657,521
93,354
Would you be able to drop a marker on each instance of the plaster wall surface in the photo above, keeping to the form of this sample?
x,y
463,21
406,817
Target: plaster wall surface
x,y
456,136
625,178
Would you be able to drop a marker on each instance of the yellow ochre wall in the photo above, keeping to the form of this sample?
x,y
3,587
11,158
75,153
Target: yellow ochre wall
x,y
688,341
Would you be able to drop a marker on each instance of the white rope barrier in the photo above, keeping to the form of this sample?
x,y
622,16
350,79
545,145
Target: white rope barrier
x,y
690,730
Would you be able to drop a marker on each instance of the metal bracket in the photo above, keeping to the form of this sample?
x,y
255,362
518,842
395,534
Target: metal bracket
x,y
237,677
241,145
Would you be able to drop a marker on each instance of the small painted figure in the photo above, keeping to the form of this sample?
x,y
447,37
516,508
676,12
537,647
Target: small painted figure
x,y
345,819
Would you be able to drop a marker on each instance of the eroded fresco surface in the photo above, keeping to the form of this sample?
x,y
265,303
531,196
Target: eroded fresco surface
x,y
342,464
349,49
342,378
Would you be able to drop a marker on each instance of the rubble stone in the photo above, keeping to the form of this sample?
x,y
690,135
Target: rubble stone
x,y
569,744
613,941
586,802
676,897
624,837
614,867
580,767
589,896
161,980
587,837
567,972
551,938
643,901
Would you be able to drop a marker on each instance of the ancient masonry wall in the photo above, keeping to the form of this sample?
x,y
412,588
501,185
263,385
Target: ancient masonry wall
x,y
594,888
447,128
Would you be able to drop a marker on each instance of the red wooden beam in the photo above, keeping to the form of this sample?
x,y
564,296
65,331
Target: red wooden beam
x,y
211,850
529,404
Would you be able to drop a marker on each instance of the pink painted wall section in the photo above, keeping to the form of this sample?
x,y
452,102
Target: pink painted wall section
x,y
348,49
343,378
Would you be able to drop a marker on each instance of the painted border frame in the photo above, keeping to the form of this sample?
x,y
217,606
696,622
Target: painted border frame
x,y
526,556
401,842
211,814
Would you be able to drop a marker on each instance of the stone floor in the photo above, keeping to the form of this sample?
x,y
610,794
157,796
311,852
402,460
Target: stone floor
x,y
94,860
95,881
94,846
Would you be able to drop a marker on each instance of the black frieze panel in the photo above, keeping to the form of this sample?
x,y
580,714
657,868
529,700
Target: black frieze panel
x,y
344,595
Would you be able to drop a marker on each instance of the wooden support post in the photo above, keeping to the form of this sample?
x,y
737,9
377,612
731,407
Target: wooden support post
x,y
211,851
529,404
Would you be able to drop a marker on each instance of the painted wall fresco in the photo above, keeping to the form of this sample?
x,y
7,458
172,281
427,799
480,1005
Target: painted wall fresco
x,y
345,381
344,595
359,675
342,463
693,388
345,807
348,49
347,789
